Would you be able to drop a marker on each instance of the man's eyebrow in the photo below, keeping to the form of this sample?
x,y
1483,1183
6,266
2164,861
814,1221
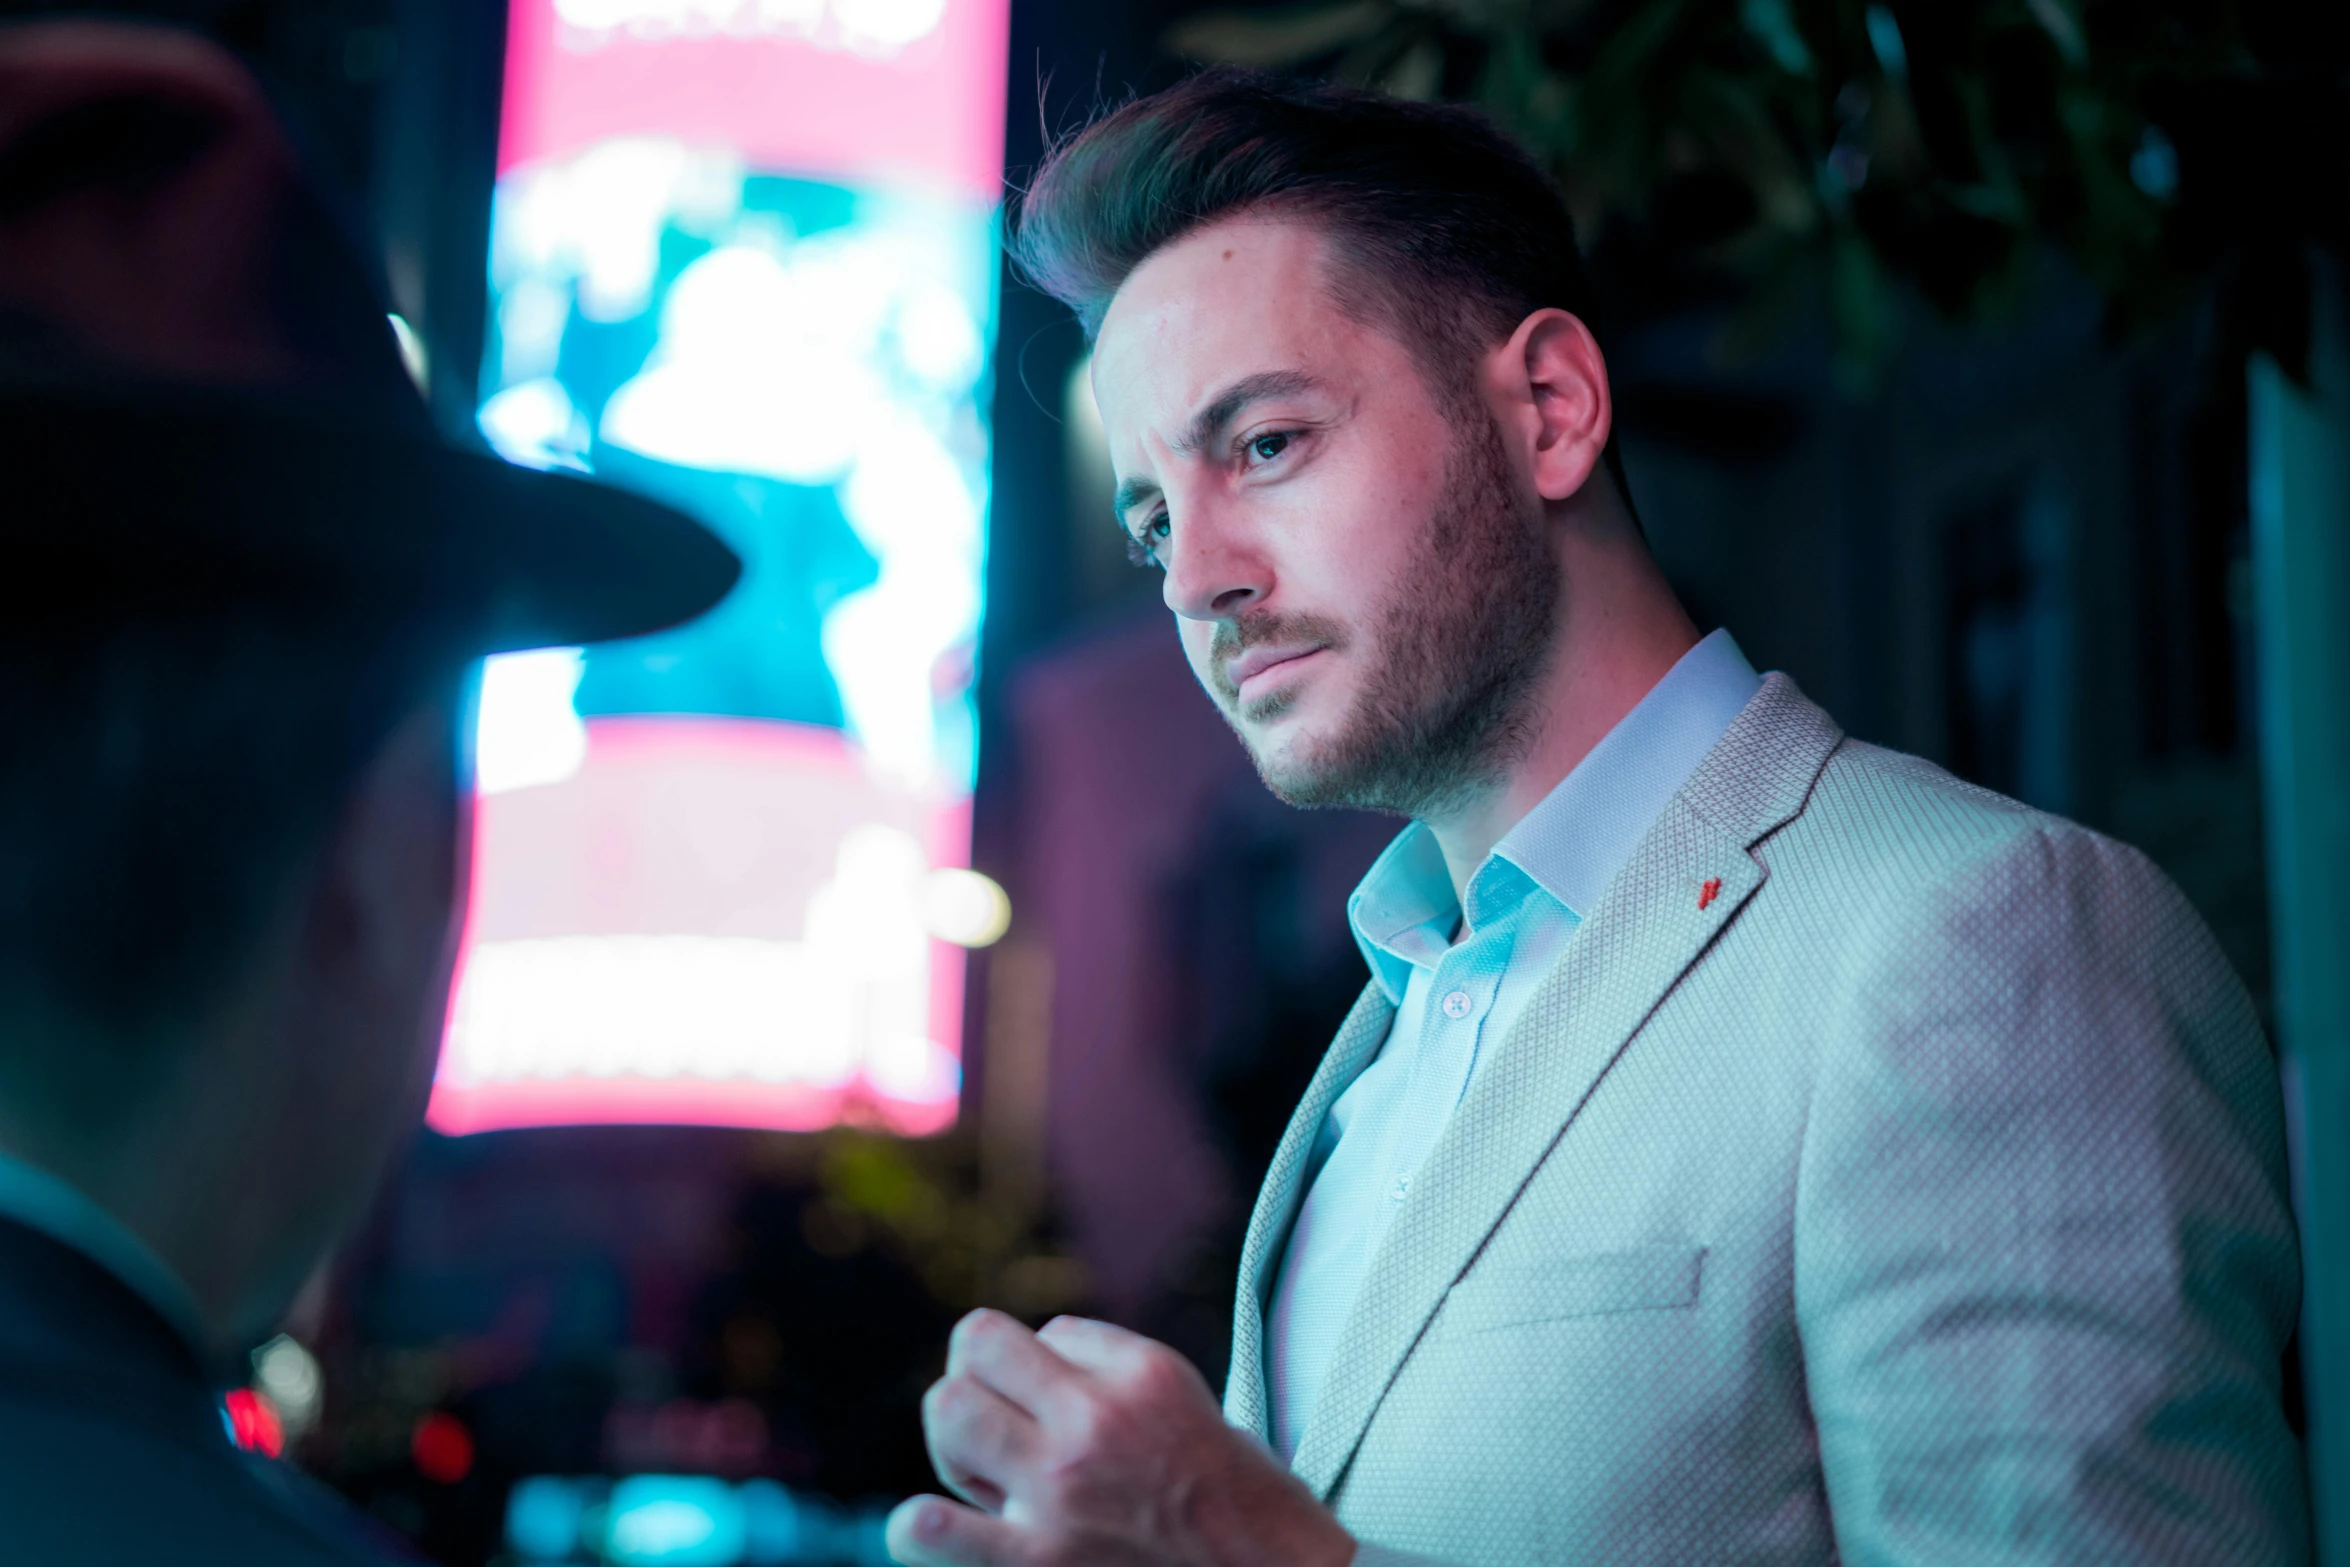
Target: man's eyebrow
x,y
1212,420
1131,493
1209,423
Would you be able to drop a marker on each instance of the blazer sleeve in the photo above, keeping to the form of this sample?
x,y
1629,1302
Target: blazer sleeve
x,y
1380,1556
2045,1264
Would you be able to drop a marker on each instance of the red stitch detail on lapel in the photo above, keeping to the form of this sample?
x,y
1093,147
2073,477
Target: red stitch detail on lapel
x,y
1710,891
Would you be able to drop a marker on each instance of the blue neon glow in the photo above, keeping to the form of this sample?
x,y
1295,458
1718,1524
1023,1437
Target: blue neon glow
x,y
674,1521
799,364
687,1521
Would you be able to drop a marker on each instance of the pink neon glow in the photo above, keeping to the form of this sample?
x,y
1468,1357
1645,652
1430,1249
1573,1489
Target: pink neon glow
x,y
692,827
714,921
950,844
678,824
931,116
637,1101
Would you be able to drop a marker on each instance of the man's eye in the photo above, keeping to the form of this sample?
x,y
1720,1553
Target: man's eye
x,y
1265,448
1142,548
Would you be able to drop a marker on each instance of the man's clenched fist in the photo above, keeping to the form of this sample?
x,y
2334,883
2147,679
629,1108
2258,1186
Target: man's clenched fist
x,y
1087,1444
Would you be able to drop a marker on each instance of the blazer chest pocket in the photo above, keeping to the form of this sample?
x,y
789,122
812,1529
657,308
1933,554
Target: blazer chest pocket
x,y
1658,1277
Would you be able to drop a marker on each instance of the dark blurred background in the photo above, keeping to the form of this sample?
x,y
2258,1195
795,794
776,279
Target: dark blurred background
x,y
1934,331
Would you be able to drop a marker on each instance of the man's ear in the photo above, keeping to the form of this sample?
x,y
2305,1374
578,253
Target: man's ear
x,y
391,884
1552,370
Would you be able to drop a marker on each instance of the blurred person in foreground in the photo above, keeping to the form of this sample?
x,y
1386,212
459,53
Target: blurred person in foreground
x,y
245,584
1752,1145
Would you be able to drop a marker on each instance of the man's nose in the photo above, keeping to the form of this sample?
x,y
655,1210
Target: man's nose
x,y
1214,572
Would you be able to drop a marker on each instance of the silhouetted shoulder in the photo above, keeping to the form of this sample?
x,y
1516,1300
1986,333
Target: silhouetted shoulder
x,y
112,1451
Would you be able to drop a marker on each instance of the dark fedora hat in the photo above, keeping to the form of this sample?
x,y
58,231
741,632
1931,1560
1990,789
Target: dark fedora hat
x,y
203,400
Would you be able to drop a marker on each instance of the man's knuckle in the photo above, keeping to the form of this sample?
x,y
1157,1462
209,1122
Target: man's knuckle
x,y
957,1404
1161,1376
1078,1417
1056,1483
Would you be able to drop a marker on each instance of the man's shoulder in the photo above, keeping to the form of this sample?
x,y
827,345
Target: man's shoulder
x,y
1896,871
1811,799
1869,785
1893,864
96,1395
64,1464
1885,818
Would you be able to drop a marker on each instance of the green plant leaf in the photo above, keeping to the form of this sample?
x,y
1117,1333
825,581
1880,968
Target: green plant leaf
x,y
1888,148
1418,72
2063,27
1773,24
1372,61
1278,38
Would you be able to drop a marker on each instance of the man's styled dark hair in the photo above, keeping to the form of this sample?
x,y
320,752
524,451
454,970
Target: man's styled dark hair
x,y
1444,231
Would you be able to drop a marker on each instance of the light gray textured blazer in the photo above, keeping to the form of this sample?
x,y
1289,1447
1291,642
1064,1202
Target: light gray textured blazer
x,y
1917,1196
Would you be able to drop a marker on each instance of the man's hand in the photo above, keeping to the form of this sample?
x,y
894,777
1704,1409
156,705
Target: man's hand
x,y
1087,1444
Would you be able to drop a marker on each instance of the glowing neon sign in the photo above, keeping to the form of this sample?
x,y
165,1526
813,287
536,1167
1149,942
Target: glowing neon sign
x,y
742,259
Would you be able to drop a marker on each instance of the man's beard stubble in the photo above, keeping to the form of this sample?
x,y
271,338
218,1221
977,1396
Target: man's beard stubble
x,y
1444,707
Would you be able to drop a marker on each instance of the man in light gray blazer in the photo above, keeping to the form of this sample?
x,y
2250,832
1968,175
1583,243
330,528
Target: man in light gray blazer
x,y
1753,1146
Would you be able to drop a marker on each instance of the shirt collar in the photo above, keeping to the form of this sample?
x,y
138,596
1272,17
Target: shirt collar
x,y
1403,910
56,1208
1575,840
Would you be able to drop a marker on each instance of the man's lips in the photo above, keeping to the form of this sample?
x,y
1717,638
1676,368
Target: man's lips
x,y
1263,663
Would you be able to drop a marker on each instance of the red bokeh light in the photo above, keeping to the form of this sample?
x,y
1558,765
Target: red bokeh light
x,y
253,1422
442,1448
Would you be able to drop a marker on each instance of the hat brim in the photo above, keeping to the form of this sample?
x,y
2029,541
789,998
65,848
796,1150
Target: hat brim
x,y
230,498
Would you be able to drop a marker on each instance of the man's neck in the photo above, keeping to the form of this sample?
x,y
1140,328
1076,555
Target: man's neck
x,y
34,1194
1621,631
176,1170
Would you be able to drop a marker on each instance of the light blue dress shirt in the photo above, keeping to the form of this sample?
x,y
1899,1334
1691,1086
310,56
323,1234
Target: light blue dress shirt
x,y
1522,906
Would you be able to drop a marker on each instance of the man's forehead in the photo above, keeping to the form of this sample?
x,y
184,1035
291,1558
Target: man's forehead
x,y
1235,299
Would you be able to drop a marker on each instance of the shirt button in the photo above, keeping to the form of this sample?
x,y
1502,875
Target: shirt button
x,y
1457,1004
1401,1189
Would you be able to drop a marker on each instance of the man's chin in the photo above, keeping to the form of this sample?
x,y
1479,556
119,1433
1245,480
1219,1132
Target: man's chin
x,y
1359,768
1264,720
1295,769
1306,759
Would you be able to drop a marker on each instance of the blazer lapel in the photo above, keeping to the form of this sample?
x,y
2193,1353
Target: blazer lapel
x,y
1685,883
1358,1041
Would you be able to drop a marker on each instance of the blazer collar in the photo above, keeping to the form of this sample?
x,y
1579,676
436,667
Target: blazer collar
x,y
1358,1041
53,1206
68,1323
1576,837
1653,922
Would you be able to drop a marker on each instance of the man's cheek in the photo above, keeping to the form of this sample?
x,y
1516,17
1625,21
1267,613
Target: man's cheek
x,y
1199,652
